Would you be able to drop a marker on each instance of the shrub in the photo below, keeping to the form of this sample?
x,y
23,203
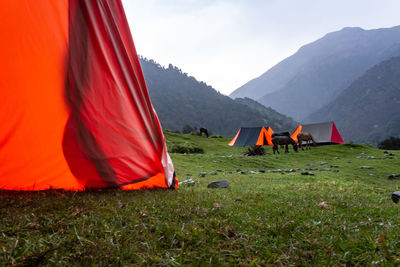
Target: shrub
x,y
186,148
391,143
354,145
255,151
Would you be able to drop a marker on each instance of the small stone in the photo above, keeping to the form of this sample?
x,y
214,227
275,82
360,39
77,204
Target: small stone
x,y
371,157
292,170
307,173
242,172
285,170
335,171
310,164
238,170
396,196
366,167
252,172
278,170
219,184
202,174
313,169
229,172
325,169
262,170
213,173
323,163
362,153
371,174
334,166
393,175
385,152
188,182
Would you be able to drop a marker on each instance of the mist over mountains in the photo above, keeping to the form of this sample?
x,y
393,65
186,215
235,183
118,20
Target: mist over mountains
x,y
181,100
321,70
368,111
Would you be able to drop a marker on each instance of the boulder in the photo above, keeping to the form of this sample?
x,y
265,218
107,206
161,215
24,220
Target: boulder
x,y
219,184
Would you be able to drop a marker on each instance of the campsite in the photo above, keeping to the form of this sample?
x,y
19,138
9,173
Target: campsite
x,y
276,217
108,158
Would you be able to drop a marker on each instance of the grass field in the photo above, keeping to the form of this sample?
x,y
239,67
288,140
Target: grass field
x,y
272,218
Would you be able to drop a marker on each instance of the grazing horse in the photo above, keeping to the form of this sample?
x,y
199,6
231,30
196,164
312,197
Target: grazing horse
x,y
283,140
203,130
280,134
307,137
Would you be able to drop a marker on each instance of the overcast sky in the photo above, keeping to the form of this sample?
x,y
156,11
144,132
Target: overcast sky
x,y
226,43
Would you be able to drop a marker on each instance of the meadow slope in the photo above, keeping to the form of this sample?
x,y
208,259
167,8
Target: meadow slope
x,y
277,218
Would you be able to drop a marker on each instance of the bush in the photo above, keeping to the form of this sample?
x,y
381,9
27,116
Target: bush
x,y
217,136
255,151
354,145
392,143
186,148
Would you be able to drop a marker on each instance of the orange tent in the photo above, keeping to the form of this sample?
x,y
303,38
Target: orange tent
x,y
74,108
250,136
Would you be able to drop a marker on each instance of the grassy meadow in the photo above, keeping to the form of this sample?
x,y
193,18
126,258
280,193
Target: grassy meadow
x,y
344,217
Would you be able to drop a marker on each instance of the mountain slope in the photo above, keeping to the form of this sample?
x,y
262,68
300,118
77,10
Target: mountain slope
x,y
181,100
369,109
319,71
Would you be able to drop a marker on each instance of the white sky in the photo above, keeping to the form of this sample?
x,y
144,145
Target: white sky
x,y
226,43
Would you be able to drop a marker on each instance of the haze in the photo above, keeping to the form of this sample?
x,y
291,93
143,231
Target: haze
x,y
226,43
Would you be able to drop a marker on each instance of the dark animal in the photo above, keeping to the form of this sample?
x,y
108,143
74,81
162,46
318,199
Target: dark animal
x,y
283,140
203,130
307,137
280,134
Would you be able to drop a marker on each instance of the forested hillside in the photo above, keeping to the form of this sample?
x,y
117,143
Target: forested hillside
x,y
181,100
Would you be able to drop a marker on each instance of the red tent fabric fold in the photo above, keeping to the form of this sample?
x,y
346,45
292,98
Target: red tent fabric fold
x,y
75,109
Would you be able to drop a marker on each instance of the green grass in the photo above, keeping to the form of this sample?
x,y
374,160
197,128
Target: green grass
x,y
262,219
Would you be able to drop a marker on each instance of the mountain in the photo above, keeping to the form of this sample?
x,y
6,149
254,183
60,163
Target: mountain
x,y
181,100
368,111
319,71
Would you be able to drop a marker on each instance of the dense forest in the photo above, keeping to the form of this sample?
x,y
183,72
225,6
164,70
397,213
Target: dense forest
x,y
180,100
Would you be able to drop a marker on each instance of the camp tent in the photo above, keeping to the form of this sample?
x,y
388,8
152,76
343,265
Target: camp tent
x,y
74,108
250,136
323,132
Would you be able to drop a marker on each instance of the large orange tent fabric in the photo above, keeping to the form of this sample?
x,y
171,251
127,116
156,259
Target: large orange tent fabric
x,y
74,108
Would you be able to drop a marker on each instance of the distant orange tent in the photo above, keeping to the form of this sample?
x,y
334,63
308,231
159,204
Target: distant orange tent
x,y
252,136
74,108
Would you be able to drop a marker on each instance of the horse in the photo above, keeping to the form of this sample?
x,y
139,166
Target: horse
x,y
280,134
283,140
203,130
307,137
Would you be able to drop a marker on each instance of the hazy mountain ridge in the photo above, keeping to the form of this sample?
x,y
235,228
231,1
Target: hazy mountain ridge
x,y
319,71
181,100
369,109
